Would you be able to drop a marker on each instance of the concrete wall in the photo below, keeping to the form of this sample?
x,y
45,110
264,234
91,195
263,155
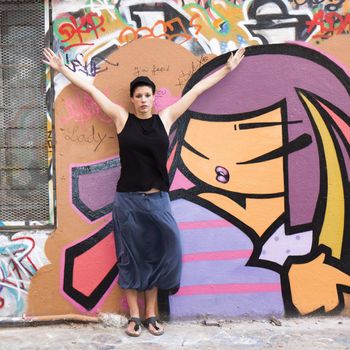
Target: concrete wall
x,y
260,189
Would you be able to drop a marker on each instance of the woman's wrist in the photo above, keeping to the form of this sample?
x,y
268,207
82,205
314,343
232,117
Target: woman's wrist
x,y
62,69
228,68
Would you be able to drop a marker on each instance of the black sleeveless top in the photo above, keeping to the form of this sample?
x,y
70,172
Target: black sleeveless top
x,y
143,149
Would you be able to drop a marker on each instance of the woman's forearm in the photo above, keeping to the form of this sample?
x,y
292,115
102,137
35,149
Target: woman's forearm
x,y
211,80
76,79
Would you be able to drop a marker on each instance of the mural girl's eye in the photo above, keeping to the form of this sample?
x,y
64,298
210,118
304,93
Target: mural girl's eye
x,y
246,126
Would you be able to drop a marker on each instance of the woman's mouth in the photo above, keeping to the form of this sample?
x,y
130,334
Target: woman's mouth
x,y
222,174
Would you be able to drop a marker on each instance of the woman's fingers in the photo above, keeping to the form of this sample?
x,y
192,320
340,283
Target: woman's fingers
x,y
239,55
240,58
240,52
47,56
46,50
52,53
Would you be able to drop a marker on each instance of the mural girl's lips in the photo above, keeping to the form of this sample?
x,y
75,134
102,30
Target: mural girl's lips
x,y
222,174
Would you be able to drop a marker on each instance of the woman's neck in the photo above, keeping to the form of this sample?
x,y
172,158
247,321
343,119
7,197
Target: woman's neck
x,y
143,115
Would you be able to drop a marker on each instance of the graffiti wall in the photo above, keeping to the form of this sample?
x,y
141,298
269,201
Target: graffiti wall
x,y
21,258
259,164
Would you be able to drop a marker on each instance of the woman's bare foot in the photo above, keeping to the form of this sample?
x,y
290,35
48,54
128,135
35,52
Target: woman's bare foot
x,y
133,328
153,325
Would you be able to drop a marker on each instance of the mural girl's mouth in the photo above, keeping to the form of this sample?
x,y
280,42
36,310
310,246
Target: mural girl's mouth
x,y
222,174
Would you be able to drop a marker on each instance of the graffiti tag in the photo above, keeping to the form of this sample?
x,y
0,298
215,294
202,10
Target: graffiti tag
x,y
195,65
170,30
91,68
83,109
16,268
329,5
330,24
154,69
92,137
73,30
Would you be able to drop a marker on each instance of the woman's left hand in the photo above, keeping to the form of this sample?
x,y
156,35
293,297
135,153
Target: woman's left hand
x,y
234,60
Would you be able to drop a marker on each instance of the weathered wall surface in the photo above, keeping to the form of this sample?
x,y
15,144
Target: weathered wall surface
x,y
259,164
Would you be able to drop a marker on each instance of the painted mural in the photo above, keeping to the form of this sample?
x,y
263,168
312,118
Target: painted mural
x,y
21,257
288,237
259,164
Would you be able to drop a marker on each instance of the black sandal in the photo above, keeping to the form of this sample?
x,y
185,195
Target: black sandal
x,y
152,321
137,326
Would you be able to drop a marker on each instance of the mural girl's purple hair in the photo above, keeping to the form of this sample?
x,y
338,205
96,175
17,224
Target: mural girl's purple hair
x,y
272,74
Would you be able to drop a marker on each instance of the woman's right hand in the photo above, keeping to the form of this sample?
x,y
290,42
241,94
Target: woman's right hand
x,y
54,61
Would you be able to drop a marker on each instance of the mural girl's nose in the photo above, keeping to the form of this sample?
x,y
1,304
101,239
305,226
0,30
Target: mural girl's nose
x,y
222,174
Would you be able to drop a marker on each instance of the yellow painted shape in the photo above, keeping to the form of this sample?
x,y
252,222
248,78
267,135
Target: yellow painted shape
x,y
334,219
226,12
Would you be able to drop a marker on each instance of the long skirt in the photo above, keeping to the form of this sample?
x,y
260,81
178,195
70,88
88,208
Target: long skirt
x,y
147,241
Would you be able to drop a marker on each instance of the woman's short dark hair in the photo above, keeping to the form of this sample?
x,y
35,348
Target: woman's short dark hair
x,y
141,81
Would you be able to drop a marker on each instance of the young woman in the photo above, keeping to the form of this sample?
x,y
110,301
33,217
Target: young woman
x,y
147,237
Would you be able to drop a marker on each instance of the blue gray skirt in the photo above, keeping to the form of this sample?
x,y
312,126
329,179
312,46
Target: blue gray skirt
x,y
147,241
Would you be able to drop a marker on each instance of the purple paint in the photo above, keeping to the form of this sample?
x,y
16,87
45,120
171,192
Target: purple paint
x,y
95,189
227,305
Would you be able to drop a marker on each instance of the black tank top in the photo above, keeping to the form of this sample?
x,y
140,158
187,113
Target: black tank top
x,y
143,149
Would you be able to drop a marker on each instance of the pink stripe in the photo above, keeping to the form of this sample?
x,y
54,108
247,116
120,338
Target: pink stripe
x,y
228,289
187,225
223,255
340,122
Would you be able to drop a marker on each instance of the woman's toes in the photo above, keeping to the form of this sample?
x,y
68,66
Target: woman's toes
x,y
158,330
130,330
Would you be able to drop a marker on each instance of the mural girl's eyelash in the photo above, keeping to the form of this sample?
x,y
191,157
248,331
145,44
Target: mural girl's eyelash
x,y
192,149
299,143
246,126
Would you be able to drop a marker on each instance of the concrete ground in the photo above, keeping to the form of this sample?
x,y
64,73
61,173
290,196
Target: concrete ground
x,y
302,333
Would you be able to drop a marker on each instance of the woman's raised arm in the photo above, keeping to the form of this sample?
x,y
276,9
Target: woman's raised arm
x,y
170,114
113,110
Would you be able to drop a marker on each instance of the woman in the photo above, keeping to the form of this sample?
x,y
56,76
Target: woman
x,y
147,238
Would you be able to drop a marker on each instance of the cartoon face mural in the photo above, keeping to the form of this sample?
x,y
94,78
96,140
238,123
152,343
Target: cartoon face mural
x,y
248,174
267,149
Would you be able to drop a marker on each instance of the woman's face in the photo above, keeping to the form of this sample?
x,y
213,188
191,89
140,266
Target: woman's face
x,y
143,99
215,152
